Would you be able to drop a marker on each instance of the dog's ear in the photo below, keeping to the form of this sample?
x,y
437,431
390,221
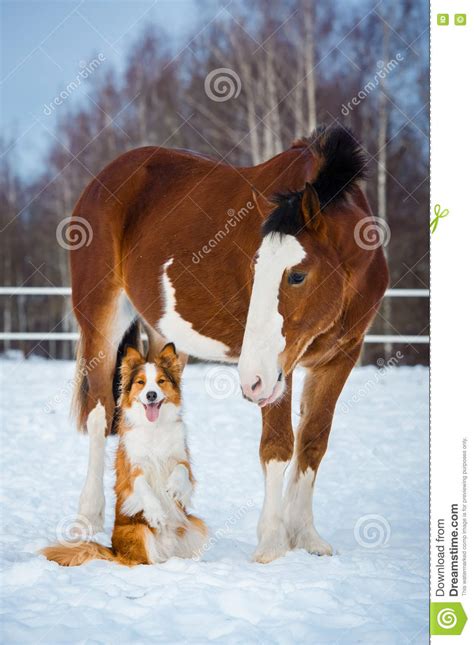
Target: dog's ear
x,y
130,361
169,360
169,351
133,356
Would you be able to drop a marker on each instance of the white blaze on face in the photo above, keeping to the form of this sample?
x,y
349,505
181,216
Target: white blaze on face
x,y
263,337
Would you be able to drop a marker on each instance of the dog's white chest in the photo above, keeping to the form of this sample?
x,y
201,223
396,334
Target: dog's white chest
x,y
156,450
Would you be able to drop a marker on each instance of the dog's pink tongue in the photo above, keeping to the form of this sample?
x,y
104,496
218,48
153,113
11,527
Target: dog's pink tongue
x,y
152,411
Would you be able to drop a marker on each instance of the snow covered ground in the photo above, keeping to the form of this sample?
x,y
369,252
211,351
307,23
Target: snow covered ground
x,y
371,504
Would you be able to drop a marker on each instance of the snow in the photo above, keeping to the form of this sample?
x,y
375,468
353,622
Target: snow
x,y
371,504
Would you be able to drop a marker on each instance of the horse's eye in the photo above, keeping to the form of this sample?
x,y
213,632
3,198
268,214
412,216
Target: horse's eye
x,y
296,277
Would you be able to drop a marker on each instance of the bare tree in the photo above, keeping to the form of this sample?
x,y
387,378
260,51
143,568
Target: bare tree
x,y
309,61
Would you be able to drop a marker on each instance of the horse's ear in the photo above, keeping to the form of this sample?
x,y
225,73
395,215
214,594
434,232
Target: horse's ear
x,y
264,206
310,207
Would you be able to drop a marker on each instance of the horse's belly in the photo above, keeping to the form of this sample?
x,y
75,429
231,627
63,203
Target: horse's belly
x,y
188,340
181,332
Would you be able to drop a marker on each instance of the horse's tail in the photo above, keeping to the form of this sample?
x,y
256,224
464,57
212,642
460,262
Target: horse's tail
x,y
131,338
74,555
79,409
81,388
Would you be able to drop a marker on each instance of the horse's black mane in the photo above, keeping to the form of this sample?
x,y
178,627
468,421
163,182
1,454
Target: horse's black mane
x,y
343,163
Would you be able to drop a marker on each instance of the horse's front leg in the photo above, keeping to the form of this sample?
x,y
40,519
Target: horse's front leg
x,y
322,388
276,448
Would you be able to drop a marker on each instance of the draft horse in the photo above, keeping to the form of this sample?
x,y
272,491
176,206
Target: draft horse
x,y
286,283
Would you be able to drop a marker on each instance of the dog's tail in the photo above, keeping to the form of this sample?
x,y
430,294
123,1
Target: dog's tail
x,y
79,553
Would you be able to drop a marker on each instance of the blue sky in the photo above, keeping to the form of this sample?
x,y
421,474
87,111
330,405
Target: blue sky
x,y
44,44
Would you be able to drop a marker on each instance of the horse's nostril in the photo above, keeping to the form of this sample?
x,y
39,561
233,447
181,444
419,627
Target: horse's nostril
x,y
257,383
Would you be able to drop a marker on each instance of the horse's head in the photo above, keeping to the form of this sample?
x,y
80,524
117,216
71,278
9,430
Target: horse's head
x,y
299,277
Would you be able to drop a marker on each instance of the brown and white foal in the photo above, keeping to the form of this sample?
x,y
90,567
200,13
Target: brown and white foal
x,y
291,283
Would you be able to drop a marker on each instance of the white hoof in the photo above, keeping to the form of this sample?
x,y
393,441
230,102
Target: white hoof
x,y
267,552
86,526
90,518
273,544
309,540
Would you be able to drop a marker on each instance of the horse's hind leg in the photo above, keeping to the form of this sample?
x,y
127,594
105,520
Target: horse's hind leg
x,y
103,323
90,518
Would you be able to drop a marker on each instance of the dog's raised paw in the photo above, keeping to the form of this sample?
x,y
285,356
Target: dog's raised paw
x,y
179,487
155,517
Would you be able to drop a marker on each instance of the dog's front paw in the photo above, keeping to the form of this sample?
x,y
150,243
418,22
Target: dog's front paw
x,y
155,516
179,487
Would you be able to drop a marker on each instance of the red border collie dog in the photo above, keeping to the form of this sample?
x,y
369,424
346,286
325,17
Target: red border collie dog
x,y
154,480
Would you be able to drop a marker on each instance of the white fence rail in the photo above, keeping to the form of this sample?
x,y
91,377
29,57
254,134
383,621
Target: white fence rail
x,y
68,336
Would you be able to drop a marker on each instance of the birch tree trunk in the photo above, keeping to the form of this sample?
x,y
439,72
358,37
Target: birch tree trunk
x,y
273,115
309,62
382,180
296,99
246,77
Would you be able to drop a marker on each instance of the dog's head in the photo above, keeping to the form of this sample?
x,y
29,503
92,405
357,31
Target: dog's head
x,y
148,386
